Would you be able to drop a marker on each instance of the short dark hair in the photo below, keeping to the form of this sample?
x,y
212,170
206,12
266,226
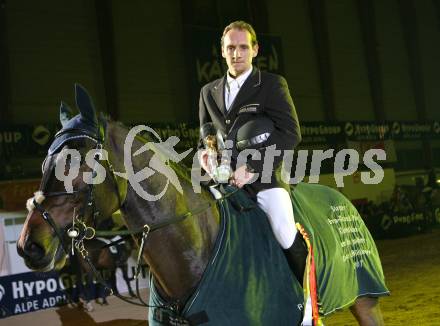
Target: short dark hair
x,y
241,25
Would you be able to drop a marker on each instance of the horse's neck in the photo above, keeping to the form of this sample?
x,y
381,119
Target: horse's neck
x,y
177,254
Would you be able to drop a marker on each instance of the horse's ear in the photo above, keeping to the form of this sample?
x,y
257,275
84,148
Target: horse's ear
x,y
85,105
65,113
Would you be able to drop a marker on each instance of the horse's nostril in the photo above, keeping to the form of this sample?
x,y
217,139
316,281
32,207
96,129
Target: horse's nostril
x,y
33,250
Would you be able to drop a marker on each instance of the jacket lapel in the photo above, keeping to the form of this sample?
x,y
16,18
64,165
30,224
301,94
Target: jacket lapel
x,y
217,92
249,88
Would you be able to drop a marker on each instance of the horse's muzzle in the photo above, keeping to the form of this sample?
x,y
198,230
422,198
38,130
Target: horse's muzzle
x,y
34,255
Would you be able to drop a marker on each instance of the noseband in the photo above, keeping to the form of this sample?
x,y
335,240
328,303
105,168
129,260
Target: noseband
x,y
79,231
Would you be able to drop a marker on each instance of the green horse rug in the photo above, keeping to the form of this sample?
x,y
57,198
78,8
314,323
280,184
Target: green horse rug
x,y
248,280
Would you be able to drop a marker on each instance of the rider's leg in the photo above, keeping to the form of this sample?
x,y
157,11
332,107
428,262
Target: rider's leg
x,y
276,203
296,257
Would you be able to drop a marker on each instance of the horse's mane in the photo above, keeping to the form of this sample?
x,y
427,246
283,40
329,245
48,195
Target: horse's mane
x,y
180,168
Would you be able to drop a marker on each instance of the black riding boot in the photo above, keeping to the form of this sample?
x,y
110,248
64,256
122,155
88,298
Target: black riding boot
x,y
296,257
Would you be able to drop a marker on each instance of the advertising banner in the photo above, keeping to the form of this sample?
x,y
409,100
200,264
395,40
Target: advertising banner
x,y
26,292
32,291
21,143
25,140
395,225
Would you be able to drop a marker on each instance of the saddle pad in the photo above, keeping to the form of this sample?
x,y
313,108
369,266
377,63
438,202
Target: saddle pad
x,y
248,280
346,258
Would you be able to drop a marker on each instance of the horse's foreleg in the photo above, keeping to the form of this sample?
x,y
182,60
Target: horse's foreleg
x,y
367,311
112,282
124,269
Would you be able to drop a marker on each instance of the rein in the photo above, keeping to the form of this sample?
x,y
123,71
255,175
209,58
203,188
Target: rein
x,y
79,231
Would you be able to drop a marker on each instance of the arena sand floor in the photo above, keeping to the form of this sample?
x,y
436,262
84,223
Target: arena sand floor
x,y
412,271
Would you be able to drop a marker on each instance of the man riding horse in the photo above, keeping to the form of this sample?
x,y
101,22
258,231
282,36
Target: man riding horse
x,y
254,109
214,260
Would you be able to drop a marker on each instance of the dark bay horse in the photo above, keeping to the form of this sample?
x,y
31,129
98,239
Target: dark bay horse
x,y
178,253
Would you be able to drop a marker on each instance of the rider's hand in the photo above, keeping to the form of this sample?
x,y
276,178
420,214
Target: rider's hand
x,y
241,176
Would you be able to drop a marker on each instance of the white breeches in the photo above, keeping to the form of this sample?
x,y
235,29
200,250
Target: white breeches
x,y
276,203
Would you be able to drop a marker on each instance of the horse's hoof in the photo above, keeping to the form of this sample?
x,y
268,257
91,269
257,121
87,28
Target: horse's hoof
x,y
89,306
102,301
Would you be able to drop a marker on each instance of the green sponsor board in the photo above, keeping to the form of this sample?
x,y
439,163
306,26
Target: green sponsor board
x,y
322,132
398,130
187,133
20,143
395,225
24,140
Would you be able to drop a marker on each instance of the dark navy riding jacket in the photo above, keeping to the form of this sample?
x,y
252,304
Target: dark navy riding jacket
x,y
263,94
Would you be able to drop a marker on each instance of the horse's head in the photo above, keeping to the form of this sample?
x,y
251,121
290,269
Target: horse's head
x,y
68,203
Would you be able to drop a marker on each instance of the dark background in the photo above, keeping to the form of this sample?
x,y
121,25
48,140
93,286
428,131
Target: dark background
x,y
144,62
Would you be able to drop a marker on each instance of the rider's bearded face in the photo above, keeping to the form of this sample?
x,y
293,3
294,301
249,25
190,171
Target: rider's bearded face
x,y
238,51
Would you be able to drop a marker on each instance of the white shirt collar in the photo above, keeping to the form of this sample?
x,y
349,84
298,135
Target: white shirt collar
x,y
240,79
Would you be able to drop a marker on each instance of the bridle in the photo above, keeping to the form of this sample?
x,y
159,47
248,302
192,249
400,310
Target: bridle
x,y
79,231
